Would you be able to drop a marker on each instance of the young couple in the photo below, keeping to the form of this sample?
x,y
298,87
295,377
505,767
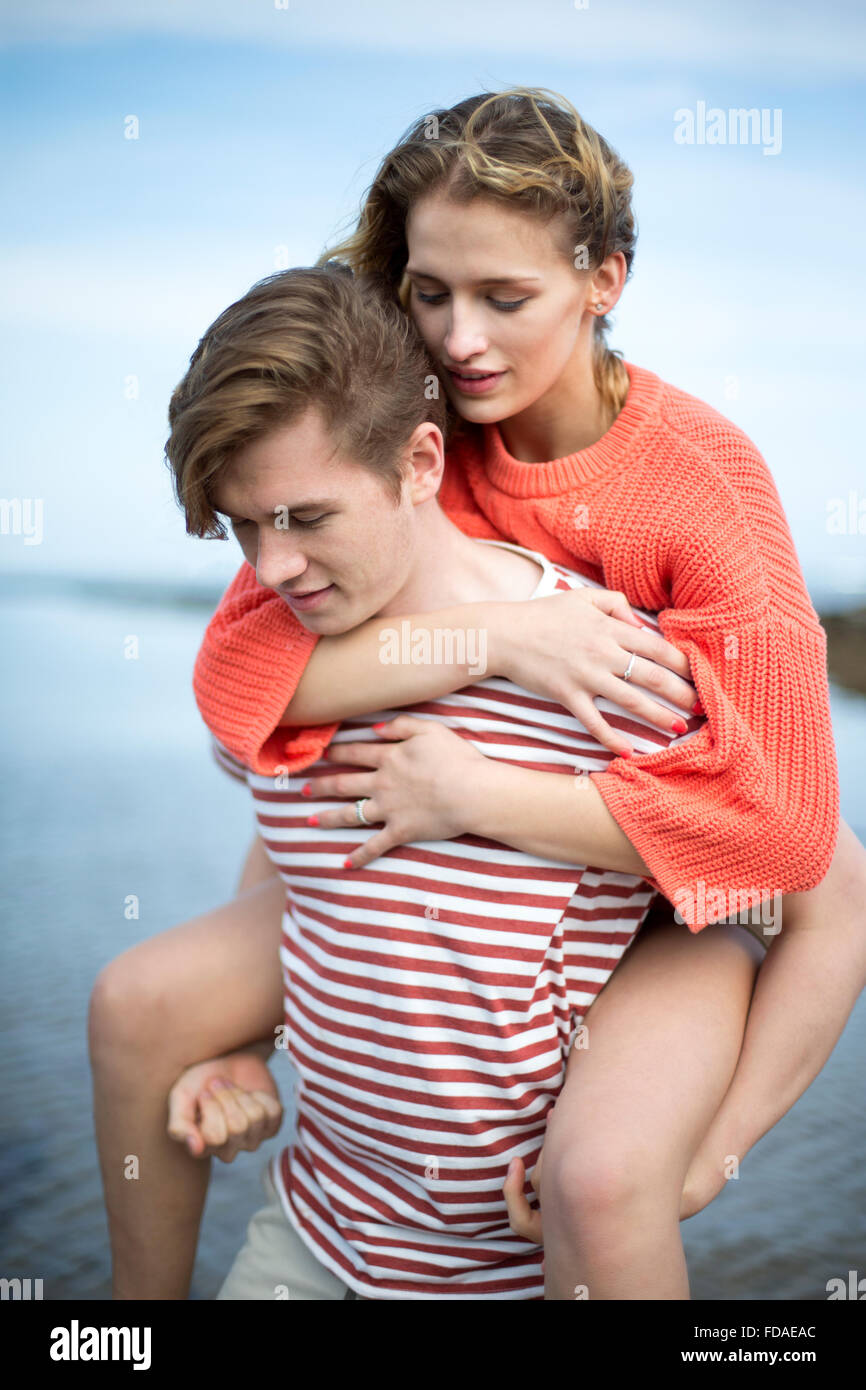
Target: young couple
x,y
433,984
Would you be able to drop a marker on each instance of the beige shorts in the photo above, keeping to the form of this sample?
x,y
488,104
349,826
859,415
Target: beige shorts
x,y
275,1263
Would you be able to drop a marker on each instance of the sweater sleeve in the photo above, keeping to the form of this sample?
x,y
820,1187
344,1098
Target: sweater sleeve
x,y
248,668
749,807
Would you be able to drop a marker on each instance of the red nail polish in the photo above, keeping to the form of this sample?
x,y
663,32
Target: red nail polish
x,y
347,863
305,790
312,820
626,753
377,727
679,727
697,707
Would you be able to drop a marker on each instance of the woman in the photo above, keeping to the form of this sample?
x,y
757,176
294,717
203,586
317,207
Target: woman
x,y
564,449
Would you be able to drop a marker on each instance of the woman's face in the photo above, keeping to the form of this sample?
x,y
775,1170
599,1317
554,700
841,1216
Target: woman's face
x,y
499,304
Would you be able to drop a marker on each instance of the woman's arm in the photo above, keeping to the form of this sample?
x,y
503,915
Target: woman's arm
x,y
424,782
570,646
548,814
576,635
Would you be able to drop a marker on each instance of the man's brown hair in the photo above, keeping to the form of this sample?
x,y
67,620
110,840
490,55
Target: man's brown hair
x,y
310,336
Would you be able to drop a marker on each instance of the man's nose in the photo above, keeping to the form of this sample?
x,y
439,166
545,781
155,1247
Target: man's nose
x,y
279,559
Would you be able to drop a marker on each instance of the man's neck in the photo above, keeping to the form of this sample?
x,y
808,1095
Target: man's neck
x,y
450,568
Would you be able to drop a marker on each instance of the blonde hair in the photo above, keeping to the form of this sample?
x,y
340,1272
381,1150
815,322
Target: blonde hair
x,y
528,146
311,336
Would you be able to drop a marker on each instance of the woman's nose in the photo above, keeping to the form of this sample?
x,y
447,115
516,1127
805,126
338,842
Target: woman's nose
x,y
464,337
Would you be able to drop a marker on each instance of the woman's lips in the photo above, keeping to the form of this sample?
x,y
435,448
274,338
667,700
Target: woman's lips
x,y
308,600
475,386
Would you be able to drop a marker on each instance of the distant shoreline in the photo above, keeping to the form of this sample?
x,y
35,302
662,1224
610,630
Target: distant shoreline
x,y
846,648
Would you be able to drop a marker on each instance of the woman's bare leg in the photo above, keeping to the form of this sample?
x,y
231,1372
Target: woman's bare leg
x,y
664,1036
210,986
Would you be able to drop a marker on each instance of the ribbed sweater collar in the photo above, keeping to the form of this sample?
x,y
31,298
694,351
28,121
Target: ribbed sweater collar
x,y
626,436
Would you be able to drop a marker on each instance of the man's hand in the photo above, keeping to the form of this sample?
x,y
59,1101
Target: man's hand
x,y
221,1107
704,1181
524,1220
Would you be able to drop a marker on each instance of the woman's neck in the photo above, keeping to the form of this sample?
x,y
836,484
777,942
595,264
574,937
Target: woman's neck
x,y
572,416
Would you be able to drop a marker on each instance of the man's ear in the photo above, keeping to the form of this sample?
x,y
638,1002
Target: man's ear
x,y
424,462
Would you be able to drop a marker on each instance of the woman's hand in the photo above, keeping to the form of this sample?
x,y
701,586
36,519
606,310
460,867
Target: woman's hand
x,y
414,786
575,646
221,1107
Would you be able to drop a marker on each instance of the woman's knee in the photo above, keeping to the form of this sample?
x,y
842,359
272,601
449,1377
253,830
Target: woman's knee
x,y
599,1187
130,1008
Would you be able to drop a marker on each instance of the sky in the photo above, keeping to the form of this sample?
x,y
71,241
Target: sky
x,y
259,126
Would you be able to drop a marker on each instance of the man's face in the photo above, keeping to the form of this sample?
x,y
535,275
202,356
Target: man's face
x,y
309,519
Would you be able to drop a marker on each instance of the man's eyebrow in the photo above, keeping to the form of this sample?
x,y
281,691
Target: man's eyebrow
x,y
491,280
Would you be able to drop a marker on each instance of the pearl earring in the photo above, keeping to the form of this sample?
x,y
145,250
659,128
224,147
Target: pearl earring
x,y
599,307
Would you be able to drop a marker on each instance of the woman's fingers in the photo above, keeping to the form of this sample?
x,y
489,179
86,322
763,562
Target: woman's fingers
x,y
647,644
655,676
341,816
597,726
349,784
635,695
374,848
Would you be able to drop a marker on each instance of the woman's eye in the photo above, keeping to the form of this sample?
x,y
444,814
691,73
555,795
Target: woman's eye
x,y
313,520
506,305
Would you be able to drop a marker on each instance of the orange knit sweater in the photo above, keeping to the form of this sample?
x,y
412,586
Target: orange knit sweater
x,y
675,507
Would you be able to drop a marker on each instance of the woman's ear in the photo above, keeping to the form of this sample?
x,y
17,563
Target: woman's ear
x,y
608,281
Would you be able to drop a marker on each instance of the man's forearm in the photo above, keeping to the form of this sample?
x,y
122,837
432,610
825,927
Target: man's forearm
x,y
805,990
550,814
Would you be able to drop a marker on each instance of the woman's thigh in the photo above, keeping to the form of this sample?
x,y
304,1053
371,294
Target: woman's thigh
x,y
663,1038
208,986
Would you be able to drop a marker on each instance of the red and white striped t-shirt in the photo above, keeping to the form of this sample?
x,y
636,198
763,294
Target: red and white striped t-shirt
x,y
431,999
